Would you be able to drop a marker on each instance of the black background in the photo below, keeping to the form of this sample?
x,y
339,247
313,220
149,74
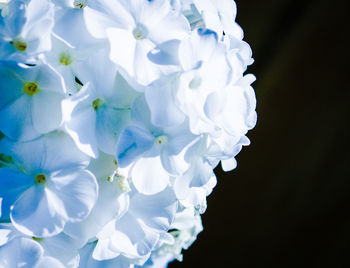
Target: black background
x,y
287,203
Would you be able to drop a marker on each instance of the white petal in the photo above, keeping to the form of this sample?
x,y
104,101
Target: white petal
x,y
11,87
35,213
165,53
159,96
157,211
12,185
112,203
16,119
20,252
109,124
77,191
102,250
82,128
75,19
123,46
178,24
229,164
61,153
149,176
48,261
132,143
47,111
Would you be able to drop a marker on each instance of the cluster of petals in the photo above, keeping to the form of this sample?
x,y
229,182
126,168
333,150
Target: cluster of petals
x,y
113,115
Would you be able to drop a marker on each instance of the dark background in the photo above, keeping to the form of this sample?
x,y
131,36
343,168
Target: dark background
x,y
287,203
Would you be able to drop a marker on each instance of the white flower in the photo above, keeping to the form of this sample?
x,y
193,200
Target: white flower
x,y
45,185
30,103
144,145
25,30
100,111
133,29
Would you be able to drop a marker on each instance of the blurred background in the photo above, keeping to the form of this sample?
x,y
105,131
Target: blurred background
x,y
287,203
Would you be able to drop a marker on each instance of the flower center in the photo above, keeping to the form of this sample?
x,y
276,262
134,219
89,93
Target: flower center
x,y
80,3
140,32
97,103
5,160
123,184
65,59
161,140
31,88
37,239
19,45
40,179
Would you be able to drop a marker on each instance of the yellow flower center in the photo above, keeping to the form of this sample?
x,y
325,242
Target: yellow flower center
x,y
65,59
80,3
19,45
139,32
161,140
31,88
40,178
37,239
97,103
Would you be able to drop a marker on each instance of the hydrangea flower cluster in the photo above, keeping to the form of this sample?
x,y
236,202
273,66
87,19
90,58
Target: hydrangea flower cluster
x,y
113,114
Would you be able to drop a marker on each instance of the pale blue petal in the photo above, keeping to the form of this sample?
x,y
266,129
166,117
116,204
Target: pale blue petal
x,y
87,261
110,122
49,262
12,185
20,252
149,176
202,172
111,203
197,48
123,46
165,53
142,238
157,211
145,71
27,155
141,115
16,20
49,79
38,213
75,19
47,111
16,120
174,164
63,248
228,164
82,128
77,192
11,87
124,94
175,21
160,99
61,153
132,143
